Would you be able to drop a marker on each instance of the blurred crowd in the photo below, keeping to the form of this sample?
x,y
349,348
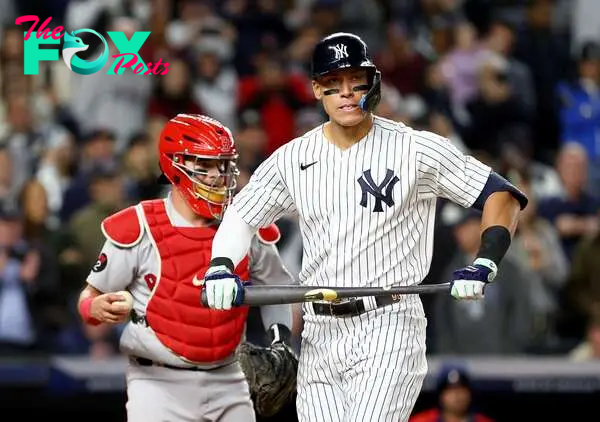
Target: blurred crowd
x,y
513,82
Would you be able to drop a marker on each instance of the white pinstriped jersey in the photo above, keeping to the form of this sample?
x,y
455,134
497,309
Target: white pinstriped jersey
x,y
366,213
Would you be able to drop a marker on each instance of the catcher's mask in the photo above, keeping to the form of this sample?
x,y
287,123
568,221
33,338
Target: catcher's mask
x,y
197,155
343,51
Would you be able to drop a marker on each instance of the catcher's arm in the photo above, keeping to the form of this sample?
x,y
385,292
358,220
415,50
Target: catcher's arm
x,y
266,267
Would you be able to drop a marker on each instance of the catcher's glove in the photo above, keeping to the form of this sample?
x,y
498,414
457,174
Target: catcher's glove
x,y
271,374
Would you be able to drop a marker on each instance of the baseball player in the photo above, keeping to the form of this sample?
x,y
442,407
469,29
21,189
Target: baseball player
x,y
364,189
181,355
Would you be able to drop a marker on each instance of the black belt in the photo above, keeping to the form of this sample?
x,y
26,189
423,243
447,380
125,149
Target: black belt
x,y
148,362
352,307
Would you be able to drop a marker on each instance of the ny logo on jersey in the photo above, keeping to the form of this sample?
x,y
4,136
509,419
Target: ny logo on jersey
x,y
368,185
340,50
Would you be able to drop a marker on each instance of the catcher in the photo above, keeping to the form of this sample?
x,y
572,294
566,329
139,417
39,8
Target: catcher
x,y
186,362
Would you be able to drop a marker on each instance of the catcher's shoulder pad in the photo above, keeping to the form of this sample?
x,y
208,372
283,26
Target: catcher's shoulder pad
x,y
124,228
269,235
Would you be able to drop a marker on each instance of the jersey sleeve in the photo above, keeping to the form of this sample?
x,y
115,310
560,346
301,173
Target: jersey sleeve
x,y
266,266
444,171
266,198
115,268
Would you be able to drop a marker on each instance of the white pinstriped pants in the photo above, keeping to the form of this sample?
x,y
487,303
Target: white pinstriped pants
x,y
369,367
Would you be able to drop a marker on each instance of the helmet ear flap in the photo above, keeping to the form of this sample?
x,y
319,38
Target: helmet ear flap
x,y
372,98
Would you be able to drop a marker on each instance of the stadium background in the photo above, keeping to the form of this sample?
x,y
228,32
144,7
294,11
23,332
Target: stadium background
x,y
513,82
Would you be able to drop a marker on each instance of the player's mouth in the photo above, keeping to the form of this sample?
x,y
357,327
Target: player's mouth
x,y
348,107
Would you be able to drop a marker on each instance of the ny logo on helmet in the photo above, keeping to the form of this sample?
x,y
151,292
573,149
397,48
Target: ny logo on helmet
x,y
341,51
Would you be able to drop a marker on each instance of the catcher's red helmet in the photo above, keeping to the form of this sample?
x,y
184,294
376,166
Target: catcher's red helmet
x,y
188,139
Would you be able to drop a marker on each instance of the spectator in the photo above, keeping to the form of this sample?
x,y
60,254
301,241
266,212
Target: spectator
x,y
546,53
583,285
589,349
539,248
251,141
401,65
575,214
173,92
97,149
465,328
277,96
580,110
495,107
22,285
216,83
107,197
455,395
56,171
23,142
459,67
7,191
517,162
118,104
140,177
500,39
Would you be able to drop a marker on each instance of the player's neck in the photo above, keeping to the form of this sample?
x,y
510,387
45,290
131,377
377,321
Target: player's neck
x,y
453,417
344,137
186,212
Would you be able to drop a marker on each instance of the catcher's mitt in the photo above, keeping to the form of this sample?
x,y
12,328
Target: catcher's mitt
x,y
271,374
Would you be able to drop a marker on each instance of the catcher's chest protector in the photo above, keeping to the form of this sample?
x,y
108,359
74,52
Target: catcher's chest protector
x,y
174,311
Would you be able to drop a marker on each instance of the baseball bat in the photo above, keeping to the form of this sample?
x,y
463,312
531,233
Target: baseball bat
x,y
284,294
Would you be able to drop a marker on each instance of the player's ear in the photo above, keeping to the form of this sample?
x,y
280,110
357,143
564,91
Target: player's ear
x,y
317,90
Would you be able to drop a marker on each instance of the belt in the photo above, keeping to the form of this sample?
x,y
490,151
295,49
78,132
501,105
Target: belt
x,y
352,307
148,362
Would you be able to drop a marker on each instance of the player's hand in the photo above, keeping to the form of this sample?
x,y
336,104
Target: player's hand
x,y
223,288
110,308
469,283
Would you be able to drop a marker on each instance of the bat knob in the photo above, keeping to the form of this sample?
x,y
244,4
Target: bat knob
x,y
204,299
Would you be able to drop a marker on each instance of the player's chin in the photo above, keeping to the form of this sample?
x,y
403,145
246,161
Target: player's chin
x,y
345,118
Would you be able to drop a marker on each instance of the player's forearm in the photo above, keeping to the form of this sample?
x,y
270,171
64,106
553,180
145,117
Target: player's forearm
x,y
233,238
88,291
498,225
84,305
501,209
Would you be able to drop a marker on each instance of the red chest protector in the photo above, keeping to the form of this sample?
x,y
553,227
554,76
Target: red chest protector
x,y
174,311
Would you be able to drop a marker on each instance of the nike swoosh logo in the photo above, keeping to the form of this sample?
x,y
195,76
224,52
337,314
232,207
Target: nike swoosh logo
x,y
196,281
304,167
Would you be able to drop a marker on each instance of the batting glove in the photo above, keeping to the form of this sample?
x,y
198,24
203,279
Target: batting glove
x,y
468,283
223,288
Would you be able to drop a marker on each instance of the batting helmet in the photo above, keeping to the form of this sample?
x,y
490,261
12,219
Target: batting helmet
x,y
344,50
191,138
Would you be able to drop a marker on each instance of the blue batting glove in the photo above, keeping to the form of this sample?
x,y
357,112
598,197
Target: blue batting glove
x,y
223,288
468,283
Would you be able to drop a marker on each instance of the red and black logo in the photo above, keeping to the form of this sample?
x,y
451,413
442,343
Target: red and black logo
x,y
100,263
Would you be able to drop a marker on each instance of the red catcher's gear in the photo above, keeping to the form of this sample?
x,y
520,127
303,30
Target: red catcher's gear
x,y
197,137
174,312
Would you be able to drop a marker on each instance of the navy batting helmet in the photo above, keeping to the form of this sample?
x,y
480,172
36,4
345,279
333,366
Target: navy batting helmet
x,y
344,50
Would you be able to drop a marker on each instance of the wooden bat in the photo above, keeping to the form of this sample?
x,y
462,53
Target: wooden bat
x,y
283,294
